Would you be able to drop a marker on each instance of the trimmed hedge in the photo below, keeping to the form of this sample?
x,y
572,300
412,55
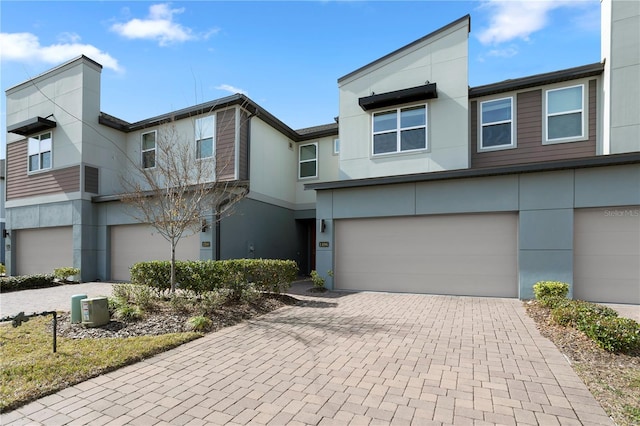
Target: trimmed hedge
x,y
26,282
270,275
544,289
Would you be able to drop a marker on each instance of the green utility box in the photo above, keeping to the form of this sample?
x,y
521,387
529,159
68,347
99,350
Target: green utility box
x,y
76,313
95,312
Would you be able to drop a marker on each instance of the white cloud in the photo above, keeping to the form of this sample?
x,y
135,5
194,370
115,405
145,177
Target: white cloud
x,y
25,47
507,52
159,26
232,89
517,19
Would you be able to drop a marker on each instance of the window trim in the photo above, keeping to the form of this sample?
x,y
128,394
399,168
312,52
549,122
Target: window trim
x,y
584,115
481,125
398,130
142,150
213,137
40,153
315,176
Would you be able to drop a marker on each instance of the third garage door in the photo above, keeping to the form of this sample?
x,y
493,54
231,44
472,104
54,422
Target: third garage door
x,y
465,254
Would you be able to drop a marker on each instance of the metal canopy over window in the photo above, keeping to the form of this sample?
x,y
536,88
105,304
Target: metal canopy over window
x,y
31,126
397,97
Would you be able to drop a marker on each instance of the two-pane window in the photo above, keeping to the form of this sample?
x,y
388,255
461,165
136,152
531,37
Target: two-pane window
x,y
308,161
204,131
149,150
39,152
400,130
496,117
565,114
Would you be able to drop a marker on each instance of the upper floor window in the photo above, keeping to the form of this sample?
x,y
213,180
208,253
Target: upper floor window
x,y
336,146
496,118
565,114
400,130
39,152
149,150
205,136
308,161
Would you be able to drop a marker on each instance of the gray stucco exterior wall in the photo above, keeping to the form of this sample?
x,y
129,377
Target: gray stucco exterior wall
x,y
545,203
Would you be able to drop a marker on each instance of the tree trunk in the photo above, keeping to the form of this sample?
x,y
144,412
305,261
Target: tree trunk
x,y
173,267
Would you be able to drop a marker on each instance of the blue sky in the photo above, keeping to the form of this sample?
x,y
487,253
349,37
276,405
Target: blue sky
x,y
286,56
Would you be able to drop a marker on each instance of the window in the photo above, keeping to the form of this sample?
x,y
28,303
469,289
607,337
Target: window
x,y
496,118
336,146
308,164
565,121
39,149
204,137
400,130
149,150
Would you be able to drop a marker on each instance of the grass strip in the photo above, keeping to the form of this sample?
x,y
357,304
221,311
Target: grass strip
x,y
30,370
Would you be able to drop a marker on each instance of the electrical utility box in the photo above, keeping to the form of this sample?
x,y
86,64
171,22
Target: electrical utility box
x,y
95,312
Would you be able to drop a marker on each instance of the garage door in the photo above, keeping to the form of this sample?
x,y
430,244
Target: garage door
x,y
138,243
450,254
40,251
607,255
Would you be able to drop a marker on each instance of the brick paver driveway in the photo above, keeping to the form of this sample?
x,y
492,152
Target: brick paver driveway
x,y
365,358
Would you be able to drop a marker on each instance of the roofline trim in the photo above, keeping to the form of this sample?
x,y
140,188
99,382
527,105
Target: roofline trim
x,y
602,161
574,73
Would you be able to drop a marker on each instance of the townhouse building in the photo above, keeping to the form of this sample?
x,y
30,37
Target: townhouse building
x,y
422,185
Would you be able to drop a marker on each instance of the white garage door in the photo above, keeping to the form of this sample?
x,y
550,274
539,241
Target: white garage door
x,y
607,255
138,243
473,254
40,251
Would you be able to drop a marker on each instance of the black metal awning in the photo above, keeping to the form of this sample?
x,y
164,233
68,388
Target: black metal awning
x,y
31,126
397,97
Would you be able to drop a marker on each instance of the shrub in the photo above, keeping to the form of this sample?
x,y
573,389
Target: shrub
x,y
199,277
199,323
127,312
64,273
180,304
26,282
577,312
317,280
3,269
614,334
553,302
544,289
212,300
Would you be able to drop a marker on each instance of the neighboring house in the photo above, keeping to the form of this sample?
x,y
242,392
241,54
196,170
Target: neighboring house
x,y
65,161
484,191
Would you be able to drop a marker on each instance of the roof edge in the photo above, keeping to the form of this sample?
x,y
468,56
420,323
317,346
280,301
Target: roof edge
x,y
582,71
458,21
580,163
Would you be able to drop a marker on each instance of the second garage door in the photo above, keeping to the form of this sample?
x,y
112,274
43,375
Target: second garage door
x,y
138,243
450,254
607,255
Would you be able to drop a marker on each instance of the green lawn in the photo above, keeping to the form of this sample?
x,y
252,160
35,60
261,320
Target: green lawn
x,y
29,369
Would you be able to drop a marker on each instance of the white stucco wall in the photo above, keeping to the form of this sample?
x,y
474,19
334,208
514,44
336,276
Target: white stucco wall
x,y
621,53
441,59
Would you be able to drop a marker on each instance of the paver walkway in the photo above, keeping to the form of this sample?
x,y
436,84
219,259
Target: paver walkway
x,y
365,358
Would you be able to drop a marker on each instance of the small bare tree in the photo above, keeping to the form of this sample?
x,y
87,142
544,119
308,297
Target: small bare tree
x,y
172,188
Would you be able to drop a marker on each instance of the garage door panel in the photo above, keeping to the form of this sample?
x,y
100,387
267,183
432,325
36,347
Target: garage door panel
x,y
131,244
607,255
454,254
41,250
